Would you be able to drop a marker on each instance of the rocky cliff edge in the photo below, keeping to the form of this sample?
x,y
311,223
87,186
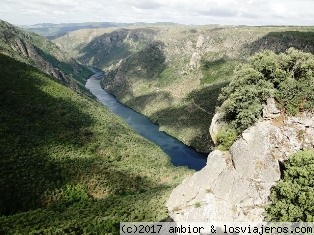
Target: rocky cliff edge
x,y
234,185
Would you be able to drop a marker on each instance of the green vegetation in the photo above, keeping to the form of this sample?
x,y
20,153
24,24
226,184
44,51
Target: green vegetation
x,y
188,119
197,205
80,74
225,138
218,70
292,198
68,165
111,47
166,76
147,63
278,41
288,77
41,53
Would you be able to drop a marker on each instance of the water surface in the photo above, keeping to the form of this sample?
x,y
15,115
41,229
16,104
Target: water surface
x,y
179,153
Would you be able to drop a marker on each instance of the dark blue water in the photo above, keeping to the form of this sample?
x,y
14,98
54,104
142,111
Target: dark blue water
x,y
180,154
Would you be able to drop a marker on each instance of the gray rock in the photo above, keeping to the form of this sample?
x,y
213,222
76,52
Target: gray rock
x,y
234,186
195,60
200,41
270,110
216,124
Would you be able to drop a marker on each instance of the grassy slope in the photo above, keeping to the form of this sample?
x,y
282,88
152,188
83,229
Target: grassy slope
x,y
68,165
182,96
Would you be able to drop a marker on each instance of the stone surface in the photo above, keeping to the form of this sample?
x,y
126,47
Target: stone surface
x,y
270,110
215,125
234,186
200,41
195,60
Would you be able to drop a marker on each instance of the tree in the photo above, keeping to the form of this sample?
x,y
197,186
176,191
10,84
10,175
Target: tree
x,y
288,77
292,198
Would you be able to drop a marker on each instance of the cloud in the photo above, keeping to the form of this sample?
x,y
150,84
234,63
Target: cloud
x,y
219,12
147,4
251,12
53,3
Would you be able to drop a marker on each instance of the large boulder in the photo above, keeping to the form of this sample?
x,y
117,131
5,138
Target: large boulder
x,y
216,124
235,185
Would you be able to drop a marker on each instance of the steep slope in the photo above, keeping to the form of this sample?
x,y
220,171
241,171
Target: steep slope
x,y
68,165
103,47
177,74
39,52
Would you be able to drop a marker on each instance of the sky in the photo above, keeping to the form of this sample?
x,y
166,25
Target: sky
x,y
197,12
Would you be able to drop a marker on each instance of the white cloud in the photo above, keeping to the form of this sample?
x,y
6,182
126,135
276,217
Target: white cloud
x,y
251,12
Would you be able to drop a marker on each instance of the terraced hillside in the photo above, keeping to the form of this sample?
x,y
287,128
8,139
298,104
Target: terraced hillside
x,y
68,165
174,74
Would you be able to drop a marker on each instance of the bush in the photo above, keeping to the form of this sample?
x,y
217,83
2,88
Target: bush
x,y
225,138
292,198
288,77
74,193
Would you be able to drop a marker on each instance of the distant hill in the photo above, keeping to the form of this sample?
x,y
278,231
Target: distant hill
x,y
174,73
41,53
52,31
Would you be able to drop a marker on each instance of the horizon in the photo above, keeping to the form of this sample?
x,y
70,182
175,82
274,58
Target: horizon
x,y
165,22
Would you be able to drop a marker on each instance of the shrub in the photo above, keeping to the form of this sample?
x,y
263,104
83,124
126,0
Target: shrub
x,y
74,193
197,205
292,198
287,76
225,138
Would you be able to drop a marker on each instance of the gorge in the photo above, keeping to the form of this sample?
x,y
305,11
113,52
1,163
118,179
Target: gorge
x,y
78,156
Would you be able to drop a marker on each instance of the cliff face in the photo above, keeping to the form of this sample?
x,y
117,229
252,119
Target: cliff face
x,y
28,51
41,53
235,185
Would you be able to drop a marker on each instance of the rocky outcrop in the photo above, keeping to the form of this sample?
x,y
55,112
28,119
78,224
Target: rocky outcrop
x,y
28,50
270,110
41,53
195,60
235,185
216,124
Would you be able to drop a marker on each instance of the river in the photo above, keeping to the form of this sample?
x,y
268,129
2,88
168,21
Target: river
x,y
179,153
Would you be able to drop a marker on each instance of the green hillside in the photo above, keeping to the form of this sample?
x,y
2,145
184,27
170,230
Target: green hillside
x,y
68,165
